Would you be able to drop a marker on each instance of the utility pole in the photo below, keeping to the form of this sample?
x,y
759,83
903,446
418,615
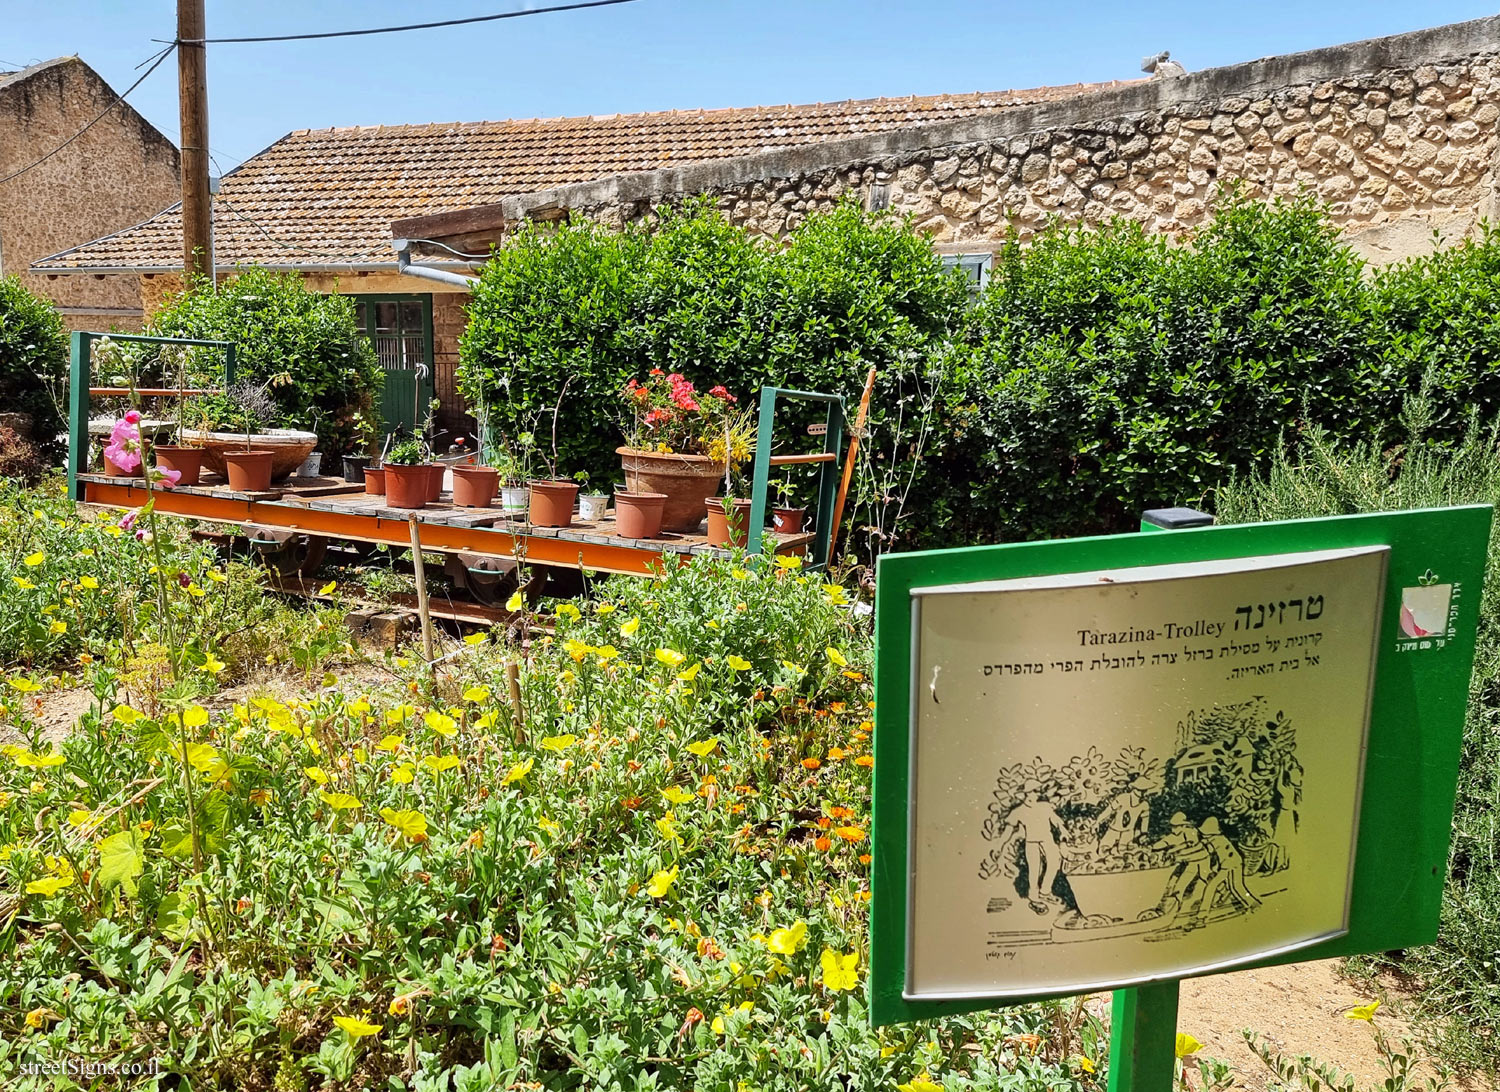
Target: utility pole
x,y
192,98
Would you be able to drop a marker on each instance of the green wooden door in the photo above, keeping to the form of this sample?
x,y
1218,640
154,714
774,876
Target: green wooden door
x,y
400,327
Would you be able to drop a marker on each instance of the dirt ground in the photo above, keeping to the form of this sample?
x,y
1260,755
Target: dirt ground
x,y
1298,1009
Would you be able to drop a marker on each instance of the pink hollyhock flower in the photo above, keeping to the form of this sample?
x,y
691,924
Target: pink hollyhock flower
x,y
127,521
132,417
123,456
165,478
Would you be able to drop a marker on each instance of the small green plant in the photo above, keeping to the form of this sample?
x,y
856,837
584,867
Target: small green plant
x,y
408,452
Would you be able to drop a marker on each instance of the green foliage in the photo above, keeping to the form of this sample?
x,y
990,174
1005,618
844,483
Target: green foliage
x,y
568,317
308,347
33,361
1460,974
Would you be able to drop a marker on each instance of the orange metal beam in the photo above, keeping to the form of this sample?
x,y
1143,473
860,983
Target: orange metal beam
x,y
626,560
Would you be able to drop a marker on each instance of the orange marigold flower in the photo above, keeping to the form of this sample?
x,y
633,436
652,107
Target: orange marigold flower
x,y
865,858
709,949
631,802
836,753
811,763
823,843
838,811
865,760
836,707
736,809
824,822
851,834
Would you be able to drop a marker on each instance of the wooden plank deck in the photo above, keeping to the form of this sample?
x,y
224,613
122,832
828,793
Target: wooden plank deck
x,y
360,515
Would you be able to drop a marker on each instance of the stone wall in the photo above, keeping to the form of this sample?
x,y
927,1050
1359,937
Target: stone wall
x,y
115,175
1398,136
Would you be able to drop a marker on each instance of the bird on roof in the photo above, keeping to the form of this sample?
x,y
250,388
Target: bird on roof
x,y
1162,66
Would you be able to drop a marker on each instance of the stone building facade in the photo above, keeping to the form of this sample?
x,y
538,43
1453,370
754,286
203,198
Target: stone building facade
x,y
116,174
1397,135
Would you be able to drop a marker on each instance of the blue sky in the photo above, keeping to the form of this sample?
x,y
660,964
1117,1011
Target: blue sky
x,y
661,54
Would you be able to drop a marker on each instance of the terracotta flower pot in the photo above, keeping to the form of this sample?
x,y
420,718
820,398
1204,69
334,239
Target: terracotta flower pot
x,y
435,480
732,529
685,480
375,480
474,486
406,486
638,515
187,461
787,521
552,503
248,471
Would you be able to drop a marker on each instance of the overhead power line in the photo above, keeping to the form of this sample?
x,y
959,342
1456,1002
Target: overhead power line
x,y
155,60
395,30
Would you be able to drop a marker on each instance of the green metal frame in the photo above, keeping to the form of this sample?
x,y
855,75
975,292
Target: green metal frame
x,y
425,386
1414,742
81,349
828,476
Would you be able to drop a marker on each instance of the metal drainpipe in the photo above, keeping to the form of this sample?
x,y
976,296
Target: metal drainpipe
x,y
442,276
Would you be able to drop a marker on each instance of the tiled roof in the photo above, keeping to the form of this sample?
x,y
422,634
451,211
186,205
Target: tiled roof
x,y
327,197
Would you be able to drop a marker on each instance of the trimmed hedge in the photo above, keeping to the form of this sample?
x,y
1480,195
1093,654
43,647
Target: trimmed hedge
x,y
1102,371
283,330
33,362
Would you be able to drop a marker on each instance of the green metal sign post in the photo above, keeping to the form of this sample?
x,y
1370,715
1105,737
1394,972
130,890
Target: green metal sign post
x,y
1349,666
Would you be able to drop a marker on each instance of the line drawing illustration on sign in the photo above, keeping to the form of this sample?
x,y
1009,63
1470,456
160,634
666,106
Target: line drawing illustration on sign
x,y
1146,846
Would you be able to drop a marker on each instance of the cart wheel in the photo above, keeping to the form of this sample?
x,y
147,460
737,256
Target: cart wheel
x,y
288,553
489,580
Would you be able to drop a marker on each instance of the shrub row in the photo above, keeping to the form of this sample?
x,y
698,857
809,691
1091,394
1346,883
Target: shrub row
x,y
1101,372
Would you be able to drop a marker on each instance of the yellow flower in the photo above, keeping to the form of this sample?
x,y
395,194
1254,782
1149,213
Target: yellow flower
x,y
577,649
88,582
57,627
923,1083
329,588
25,686
835,657
79,816
440,723
31,561
1362,1012
390,744
1187,1045
316,773
606,653
514,602
795,669
518,771
476,638
670,656
217,577
661,883
704,748
836,595
126,715
340,801
675,795
738,663
568,611
840,971
211,663
400,713
603,608
788,562
477,694
48,886
195,716
551,826
403,773
666,826
559,743
788,941
627,629
413,824
439,763
1084,1063
357,1028
195,591
23,583
358,707
691,673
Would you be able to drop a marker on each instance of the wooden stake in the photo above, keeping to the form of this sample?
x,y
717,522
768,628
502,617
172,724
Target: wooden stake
x,y
859,426
422,611
513,677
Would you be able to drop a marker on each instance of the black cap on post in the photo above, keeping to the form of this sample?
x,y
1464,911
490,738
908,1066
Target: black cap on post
x,y
1175,519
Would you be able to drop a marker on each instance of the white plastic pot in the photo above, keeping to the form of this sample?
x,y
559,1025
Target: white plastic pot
x,y
592,506
514,498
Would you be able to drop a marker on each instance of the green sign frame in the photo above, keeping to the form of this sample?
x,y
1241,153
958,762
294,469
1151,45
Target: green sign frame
x,y
1413,745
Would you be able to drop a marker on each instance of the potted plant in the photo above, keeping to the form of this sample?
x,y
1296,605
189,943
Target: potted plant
x,y
679,442
249,469
364,429
475,482
638,515
785,518
511,467
183,458
729,515
591,506
222,429
407,474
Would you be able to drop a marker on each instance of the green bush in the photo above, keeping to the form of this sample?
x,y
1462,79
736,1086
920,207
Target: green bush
x,y
308,346
33,362
567,317
1460,974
